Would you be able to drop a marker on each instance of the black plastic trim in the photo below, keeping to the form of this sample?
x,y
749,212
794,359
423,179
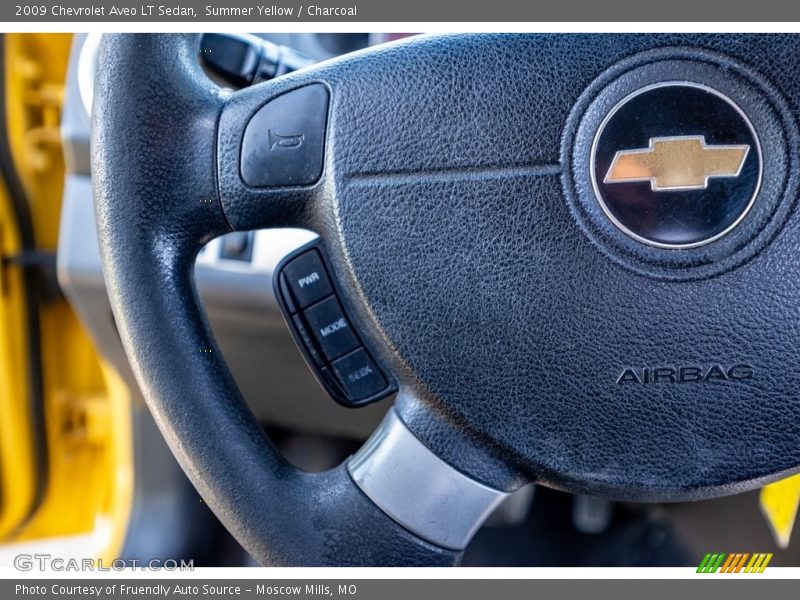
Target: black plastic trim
x,y
324,372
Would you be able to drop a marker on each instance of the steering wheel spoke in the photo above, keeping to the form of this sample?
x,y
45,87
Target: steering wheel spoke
x,y
271,152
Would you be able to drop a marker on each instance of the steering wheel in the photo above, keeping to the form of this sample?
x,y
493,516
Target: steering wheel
x,y
576,255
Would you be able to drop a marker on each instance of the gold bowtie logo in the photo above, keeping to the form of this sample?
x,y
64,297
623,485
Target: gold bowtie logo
x,y
677,163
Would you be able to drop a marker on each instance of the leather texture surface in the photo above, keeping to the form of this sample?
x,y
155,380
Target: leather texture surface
x,y
443,207
154,134
518,325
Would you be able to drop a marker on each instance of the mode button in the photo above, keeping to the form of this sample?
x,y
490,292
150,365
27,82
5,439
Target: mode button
x,y
331,328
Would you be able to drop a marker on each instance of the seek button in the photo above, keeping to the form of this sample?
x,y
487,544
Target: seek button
x,y
358,375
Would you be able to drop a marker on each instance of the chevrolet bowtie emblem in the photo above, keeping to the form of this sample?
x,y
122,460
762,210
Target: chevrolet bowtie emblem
x,y
677,163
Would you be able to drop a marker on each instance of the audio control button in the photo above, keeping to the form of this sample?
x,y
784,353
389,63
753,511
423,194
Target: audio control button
x,y
358,375
307,279
330,328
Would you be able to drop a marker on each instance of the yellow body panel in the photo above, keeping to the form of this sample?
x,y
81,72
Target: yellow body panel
x,y
17,464
86,404
779,503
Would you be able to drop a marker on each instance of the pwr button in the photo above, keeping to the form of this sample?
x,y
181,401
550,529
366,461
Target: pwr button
x,y
307,279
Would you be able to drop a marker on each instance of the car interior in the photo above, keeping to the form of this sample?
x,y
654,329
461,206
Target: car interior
x,y
366,308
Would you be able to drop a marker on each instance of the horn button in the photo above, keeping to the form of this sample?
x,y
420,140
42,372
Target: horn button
x,y
284,141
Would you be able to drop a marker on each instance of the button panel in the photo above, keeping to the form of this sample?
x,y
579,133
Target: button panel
x,y
333,349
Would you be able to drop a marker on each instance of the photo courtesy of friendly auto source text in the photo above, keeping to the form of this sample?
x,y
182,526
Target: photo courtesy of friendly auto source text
x,y
293,296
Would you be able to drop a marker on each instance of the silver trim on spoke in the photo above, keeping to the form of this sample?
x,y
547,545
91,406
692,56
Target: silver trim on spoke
x,y
419,490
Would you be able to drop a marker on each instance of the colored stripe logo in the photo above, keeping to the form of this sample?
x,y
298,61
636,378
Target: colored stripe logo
x,y
739,562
